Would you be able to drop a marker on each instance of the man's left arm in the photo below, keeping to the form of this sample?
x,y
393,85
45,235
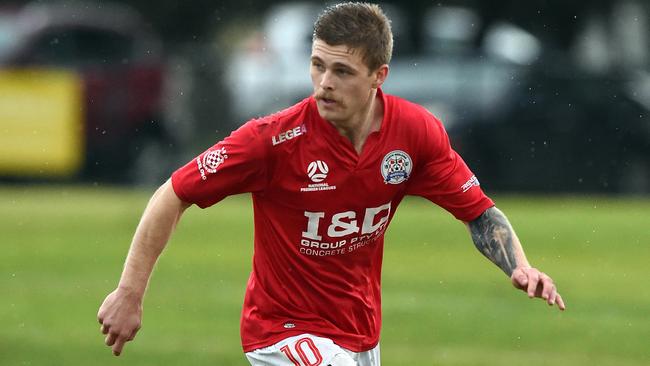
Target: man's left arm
x,y
494,237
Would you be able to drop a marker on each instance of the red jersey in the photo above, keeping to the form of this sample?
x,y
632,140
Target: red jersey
x,y
321,211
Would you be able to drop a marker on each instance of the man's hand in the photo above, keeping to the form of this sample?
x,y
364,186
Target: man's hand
x,y
121,317
537,284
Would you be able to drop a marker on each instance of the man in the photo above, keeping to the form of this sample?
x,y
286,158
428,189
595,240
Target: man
x,y
326,177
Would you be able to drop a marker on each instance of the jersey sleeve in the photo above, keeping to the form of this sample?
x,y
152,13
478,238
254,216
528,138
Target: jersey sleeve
x,y
234,165
443,177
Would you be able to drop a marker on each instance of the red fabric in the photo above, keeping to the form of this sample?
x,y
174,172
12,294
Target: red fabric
x,y
319,237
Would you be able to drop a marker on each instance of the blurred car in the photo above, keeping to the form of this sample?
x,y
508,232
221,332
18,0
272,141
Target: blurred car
x,y
570,118
116,61
525,114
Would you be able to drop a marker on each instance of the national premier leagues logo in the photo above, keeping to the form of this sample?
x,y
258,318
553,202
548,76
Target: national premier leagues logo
x,y
317,171
396,167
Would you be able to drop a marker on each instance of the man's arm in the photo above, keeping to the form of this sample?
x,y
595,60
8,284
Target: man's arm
x,y
121,312
494,237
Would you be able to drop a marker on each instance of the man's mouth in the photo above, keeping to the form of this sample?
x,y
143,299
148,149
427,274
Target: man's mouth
x,y
327,101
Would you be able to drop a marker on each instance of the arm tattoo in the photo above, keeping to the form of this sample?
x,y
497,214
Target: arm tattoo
x,y
492,236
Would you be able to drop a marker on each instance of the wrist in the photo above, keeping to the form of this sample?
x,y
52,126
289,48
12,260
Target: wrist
x,y
130,291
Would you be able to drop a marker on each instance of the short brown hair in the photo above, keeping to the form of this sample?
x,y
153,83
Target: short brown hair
x,y
360,26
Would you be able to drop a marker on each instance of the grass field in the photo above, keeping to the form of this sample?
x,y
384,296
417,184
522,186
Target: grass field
x,y
62,249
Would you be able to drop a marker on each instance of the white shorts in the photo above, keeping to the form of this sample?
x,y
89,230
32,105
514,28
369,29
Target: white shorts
x,y
309,350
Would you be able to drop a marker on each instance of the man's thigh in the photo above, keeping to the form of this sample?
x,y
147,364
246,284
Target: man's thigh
x,y
310,350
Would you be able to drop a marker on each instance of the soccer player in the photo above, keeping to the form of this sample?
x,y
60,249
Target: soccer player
x,y
326,177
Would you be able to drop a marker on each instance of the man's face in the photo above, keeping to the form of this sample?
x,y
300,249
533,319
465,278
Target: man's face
x,y
342,82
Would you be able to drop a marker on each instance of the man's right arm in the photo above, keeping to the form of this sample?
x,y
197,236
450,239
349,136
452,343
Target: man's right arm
x,y
121,312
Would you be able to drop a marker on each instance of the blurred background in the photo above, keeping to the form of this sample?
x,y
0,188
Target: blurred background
x,y
549,97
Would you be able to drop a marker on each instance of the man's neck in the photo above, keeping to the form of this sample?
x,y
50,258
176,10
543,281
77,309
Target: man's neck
x,y
360,126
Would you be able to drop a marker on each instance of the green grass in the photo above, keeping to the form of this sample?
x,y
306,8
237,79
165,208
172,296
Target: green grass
x,y
62,249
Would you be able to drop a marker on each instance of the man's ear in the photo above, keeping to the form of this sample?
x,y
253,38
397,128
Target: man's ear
x,y
380,76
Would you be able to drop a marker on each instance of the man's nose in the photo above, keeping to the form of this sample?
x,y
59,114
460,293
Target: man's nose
x,y
326,81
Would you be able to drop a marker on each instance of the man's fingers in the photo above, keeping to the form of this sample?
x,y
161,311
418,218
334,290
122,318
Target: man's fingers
x,y
132,336
117,347
533,280
560,302
547,287
110,339
537,284
103,329
551,298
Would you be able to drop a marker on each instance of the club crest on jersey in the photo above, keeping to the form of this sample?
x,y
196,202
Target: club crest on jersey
x,y
396,167
212,159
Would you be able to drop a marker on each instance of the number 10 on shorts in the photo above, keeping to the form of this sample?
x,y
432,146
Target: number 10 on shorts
x,y
306,351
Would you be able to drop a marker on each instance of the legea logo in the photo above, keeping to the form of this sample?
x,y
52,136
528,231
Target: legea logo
x,y
317,171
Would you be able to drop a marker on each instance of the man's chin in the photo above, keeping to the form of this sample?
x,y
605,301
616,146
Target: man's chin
x,y
331,117
326,114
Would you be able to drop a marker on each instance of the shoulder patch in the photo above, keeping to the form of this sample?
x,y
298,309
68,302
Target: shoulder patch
x,y
210,161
